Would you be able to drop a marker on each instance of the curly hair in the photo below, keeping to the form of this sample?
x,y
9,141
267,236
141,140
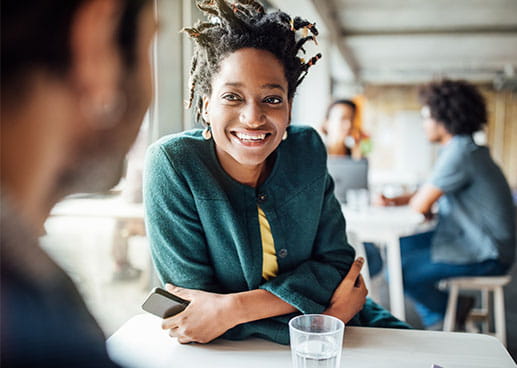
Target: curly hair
x,y
243,24
457,105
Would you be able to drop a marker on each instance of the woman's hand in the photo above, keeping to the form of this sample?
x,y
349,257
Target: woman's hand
x,y
350,295
207,317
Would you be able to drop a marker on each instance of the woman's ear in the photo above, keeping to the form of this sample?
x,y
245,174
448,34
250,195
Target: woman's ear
x,y
290,110
204,113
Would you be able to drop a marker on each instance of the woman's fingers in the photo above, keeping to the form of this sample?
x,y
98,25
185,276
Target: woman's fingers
x,y
170,323
362,285
178,291
184,340
349,282
355,270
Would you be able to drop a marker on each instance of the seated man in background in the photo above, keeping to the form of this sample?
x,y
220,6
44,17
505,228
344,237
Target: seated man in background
x,y
76,82
475,235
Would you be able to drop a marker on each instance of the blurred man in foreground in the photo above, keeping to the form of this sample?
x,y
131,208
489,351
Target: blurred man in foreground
x,y
475,235
76,83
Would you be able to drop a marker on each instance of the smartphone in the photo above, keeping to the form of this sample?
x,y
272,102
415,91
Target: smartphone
x,y
163,304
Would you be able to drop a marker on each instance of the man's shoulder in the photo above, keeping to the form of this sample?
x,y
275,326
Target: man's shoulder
x,y
49,317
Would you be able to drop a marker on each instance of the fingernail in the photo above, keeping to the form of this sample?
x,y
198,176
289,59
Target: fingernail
x,y
360,260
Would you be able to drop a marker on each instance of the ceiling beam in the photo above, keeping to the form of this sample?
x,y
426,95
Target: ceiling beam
x,y
327,12
491,30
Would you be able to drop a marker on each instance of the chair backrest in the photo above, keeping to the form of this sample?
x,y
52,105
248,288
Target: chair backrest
x,y
347,174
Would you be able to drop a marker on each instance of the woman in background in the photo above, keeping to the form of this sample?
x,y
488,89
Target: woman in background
x,y
342,138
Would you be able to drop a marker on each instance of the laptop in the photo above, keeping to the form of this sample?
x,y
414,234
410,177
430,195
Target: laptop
x,y
347,174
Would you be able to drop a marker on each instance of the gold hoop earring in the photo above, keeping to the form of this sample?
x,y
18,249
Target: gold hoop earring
x,y
284,137
207,134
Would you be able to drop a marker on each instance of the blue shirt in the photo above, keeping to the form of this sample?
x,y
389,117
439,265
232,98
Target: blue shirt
x,y
476,213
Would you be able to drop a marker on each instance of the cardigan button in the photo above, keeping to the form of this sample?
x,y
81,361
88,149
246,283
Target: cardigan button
x,y
261,197
282,253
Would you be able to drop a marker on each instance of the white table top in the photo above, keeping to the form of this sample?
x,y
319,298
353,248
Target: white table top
x,y
141,342
376,222
114,206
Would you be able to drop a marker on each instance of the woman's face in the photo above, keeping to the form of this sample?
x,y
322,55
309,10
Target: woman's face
x,y
340,120
248,110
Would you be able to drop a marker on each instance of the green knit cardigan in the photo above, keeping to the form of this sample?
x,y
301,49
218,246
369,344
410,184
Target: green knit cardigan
x,y
204,229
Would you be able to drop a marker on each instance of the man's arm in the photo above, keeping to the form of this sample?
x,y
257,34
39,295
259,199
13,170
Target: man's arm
x,y
422,201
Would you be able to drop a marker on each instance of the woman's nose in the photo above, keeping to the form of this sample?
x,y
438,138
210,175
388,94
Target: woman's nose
x,y
252,115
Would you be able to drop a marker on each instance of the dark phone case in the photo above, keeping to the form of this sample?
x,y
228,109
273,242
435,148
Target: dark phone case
x,y
164,304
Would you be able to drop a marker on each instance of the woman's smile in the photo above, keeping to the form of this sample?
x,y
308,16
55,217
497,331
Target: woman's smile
x,y
250,138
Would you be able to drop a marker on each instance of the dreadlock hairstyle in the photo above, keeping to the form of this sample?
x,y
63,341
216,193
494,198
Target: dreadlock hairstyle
x,y
243,24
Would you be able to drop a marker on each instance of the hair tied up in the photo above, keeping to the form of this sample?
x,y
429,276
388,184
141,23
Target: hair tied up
x,y
237,24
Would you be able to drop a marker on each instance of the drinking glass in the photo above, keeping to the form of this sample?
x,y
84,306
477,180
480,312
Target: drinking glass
x,y
316,341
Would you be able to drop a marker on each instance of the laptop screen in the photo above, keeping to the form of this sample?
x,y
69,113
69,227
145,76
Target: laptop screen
x,y
347,174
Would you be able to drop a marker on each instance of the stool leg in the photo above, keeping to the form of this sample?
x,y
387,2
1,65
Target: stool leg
x,y
485,308
500,323
450,314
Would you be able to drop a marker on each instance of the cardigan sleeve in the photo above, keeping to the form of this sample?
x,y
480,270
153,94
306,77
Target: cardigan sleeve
x,y
311,284
177,240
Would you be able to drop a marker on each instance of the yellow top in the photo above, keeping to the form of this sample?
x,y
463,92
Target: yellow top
x,y
269,263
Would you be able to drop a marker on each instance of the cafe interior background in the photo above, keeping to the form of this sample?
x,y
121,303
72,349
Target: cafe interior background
x,y
375,51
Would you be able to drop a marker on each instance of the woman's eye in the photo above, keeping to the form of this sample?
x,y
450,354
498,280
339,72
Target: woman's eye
x,y
231,97
273,100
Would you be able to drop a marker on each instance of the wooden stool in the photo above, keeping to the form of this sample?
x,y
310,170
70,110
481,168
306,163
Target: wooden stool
x,y
485,284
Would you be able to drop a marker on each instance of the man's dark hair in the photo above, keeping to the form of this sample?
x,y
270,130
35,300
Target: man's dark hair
x,y
457,105
350,103
36,34
243,24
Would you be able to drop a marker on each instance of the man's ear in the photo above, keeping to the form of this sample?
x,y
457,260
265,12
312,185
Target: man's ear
x,y
96,60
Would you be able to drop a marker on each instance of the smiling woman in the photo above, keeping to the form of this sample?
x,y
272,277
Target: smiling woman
x,y
242,216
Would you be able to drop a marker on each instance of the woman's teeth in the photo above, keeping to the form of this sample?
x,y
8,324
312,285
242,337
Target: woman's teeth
x,y
251,138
